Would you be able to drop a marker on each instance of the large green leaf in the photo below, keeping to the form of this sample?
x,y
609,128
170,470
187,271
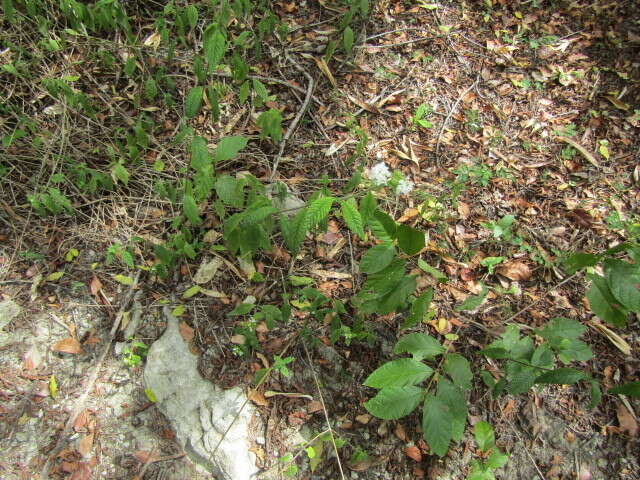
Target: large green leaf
x,y
230,191
437,423
562,376
485,438
560,328
632,389
377,258
399,373
191,210
228,147
454,398
388,224
624,282
200,156
580,260
352,217
457,367
193,102
410,240
522,381
419,309
394,402
473,301
604,304
214,45
420,345
396,298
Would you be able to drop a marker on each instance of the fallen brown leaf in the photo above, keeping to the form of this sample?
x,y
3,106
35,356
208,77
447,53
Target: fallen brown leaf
x,y
258,398
68,345
515,270
186,332
414,453
627,422
85,445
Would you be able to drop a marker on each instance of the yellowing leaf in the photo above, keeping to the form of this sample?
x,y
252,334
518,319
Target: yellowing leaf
x,y
178,311
55,276
324,68
151,395
71,254
123,279
53,386
190,292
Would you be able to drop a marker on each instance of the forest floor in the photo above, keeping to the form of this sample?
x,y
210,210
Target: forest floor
x,y
519,125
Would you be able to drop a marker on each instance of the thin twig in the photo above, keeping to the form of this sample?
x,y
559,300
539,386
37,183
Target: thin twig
x,y
452,111
294,124
399,44
324,410
81,401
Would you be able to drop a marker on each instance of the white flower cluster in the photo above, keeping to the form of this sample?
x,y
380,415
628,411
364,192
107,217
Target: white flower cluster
x,y
380,175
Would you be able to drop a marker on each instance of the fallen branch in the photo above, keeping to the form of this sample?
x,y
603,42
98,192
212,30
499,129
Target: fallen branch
x,y
585,153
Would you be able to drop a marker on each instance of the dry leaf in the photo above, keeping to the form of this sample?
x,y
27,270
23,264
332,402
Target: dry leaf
x,y
364,418
80,423
68,345
400,432
314,406
414,453
515,270
85,445
95,285
324,68
613,337
258,398
82,472
627,422
186,332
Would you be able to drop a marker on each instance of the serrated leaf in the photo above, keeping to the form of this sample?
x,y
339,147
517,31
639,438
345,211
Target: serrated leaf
x,y
497,459
394,402
453,397
388,224
151,396
522,381
624,282
214,45
191,210
632,389
410,240
352,217
120,173
562,376
435,273
604,304
495,352
437,425
578,261
200,156
419,309
484,435
297,281
230,191
192,15
55,276
420,345
193,103
457,367
260,89
229,147
348,39
270,123
399,373
241,309
377,258
190,292
562,328
123,279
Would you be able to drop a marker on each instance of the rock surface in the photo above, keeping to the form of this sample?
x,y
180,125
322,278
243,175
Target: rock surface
x,y
200,412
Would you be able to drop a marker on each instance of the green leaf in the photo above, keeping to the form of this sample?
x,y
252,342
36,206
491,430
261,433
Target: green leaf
x,y
495,352
396,298
497,459
200,156
624,282
435,273
270,123
348,39
229,147
580,260
394,402
123,279
562,376
410,240
388,224
119,172
604,304
214,45
485,437
457,367
453,397
178,311
473,301
377,258
632,389
596,394
55,276
192,15
522,381
193,102
420,345
53,386
241,309
437,425
399,373
300,281
352,217
230,191
192,291
560,328
151,396
150,89
191,210
419,309
260,89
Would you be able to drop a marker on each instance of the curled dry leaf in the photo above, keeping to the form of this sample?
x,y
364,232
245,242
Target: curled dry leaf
x,y
627,422
258,398
85,445
186,332
515,270
414,453
400,432
68,345
95,285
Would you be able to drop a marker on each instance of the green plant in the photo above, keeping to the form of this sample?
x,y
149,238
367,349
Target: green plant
x,y
494,458
421,112
134,352
502,228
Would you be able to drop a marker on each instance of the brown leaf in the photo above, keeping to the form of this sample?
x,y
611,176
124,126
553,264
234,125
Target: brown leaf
x,y
68,345
627,422
414,453
314,406
515,270
80,423
83,472
258,398
95,285
186,332
400,432
32,358
85,445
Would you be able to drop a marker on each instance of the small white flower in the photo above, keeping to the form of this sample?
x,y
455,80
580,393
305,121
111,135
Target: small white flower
x,y
404,186
380,173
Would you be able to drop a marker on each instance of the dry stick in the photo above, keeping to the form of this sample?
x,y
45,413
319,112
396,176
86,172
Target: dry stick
x,y
79,404
451,112
298,117
324,410
585,153
399,44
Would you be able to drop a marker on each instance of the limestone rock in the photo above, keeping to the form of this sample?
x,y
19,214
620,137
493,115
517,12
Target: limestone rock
x,y
199,411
